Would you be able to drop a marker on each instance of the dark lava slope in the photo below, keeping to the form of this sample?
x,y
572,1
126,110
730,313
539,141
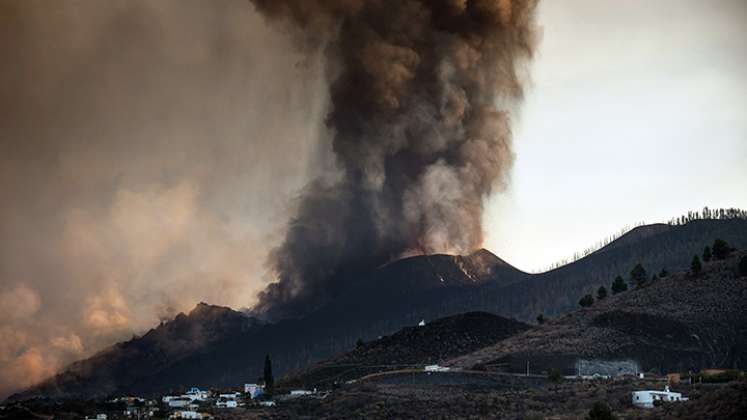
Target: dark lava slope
x,y
674,324
411,347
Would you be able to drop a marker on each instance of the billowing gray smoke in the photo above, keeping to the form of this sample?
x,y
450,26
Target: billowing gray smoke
x,y
421,95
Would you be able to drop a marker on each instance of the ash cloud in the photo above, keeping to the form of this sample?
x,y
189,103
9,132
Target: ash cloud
x,y
143,167
421,99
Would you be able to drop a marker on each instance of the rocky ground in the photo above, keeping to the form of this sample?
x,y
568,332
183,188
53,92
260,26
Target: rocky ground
x,y
564,401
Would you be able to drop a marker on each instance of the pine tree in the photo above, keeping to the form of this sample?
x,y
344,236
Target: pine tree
x,y
619,285
269,379
601,293
540,319
638,275
663,273
586,301
721,249
743,266
695,266
707,253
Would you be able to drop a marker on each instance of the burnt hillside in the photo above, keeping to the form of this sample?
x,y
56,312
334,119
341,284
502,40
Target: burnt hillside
x,y
678,323
417,346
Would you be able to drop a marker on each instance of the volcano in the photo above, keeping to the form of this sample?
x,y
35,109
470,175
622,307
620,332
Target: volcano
x,y
216,346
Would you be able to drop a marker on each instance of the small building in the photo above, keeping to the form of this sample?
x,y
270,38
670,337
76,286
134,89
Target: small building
x,y
269,403
646,398
188,414
421,323
224,403
196,394
253,390
712,372
436,368
227,400
299,392
179,402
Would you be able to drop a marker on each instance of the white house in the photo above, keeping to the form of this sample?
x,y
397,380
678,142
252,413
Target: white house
x,y
179,402
299,392
195,394
646,399
253,390
227,400
224,403
436,368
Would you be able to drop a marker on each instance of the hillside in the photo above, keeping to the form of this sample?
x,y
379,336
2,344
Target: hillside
x,y
124,363
416,346
379,303
678,323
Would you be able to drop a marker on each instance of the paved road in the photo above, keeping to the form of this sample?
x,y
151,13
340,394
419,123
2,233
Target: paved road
x,y
487,379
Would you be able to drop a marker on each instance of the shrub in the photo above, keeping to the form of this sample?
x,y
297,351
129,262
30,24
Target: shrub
x,y
695,265
707,253
600,411
721,249
743,266
586,301
601,293
540,319
555,376
619,285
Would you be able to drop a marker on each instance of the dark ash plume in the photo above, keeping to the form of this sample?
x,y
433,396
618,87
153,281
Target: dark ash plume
x,y
421,93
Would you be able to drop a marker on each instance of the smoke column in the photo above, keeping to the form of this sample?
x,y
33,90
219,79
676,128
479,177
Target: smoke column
x,y
421,97
143,167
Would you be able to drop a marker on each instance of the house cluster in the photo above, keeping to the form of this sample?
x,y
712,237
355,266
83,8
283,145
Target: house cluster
x,y
192,404
196,398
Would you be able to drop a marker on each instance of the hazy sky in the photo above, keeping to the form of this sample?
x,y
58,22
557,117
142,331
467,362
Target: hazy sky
x,y
638,113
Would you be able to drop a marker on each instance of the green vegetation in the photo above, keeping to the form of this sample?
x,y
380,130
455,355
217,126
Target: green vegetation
x,y
540,319
707,254
555,377
619,285
600,411
696,267
721,249
638,275
586,301
269,379
359,343
601,293
743,266
663,273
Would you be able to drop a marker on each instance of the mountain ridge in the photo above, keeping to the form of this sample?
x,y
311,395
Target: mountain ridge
x,y
397,295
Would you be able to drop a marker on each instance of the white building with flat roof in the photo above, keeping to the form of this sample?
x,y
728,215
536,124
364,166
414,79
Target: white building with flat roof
x,y
646,398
